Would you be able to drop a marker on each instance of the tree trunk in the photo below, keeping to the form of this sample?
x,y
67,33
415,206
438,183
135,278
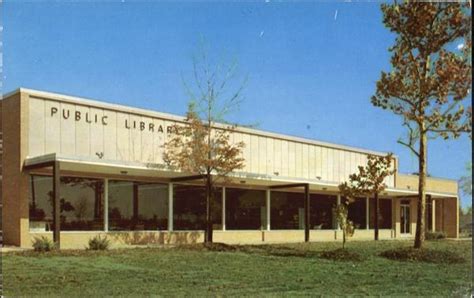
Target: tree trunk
x,y
343,239
420,221
208,233
376,220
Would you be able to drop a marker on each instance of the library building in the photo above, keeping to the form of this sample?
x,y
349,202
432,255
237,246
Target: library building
x,y
74,168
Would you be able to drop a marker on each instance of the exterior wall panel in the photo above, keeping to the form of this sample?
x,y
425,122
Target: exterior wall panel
x,y
67,129
123,138
285,158
96,132
277,156
270,157
83,132
37,133
52,129
110,135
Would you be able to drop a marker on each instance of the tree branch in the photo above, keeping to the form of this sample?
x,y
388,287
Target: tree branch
x,y
409,147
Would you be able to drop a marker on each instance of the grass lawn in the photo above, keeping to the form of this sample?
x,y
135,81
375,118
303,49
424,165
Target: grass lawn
x,y
281,270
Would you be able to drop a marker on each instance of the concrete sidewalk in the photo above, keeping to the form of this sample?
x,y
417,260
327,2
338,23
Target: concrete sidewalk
x,y
5,249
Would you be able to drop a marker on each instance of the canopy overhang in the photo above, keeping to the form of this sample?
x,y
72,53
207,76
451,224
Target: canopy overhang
x,y
161,172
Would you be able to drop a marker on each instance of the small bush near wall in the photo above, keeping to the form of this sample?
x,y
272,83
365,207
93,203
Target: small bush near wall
x,y
43,244
435,235
341,254
99,243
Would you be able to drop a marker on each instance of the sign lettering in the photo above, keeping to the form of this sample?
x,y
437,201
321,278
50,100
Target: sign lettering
x,y
103,120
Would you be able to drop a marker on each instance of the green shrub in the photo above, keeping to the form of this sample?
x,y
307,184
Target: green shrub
x,y
43,244
99,243
435,235
423,255
341,254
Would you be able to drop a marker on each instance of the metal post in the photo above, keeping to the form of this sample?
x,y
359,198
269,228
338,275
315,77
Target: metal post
x,y
433,215
170,207
223,208
306,213
57,200
268,209
106,205
367,215
135,204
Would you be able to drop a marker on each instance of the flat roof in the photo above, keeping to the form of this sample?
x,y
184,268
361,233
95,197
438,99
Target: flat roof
x,y
172,117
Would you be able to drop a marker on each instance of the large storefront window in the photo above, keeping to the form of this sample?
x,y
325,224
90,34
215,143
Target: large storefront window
x,y
287,210
137,206
385,213
190,207
245,209
357,212
81,203
321,211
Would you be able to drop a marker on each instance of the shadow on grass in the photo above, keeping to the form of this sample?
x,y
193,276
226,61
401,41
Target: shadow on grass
x,y
344,255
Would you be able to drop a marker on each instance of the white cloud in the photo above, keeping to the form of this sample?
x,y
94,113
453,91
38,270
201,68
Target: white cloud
x,y
460,46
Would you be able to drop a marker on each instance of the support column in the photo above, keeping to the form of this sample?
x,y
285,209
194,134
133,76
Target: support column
x,y
135,204
223,208
433,215
106,205
367,214
338,203
57,200
306,213
170,207
268,207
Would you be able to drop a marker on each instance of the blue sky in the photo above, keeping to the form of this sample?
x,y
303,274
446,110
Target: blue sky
x,y
311,66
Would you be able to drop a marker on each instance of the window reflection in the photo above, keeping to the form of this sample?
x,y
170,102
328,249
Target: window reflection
x,y
321,212
189,207
81,203
357,212
287,210
245,209
137,206
385,213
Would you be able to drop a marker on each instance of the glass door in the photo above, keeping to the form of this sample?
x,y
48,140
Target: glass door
x,y
405,218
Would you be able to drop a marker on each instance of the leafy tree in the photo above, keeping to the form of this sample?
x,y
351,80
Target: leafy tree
x,y
429,80
370,181
200,146
346,225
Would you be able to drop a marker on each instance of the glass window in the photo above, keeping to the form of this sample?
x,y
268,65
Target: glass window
x,y
357,212
287,210
385,213
190,207
245,209
137,206
321,214
81,203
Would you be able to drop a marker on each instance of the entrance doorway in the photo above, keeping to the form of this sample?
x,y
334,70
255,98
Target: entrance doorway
x,y
405,217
